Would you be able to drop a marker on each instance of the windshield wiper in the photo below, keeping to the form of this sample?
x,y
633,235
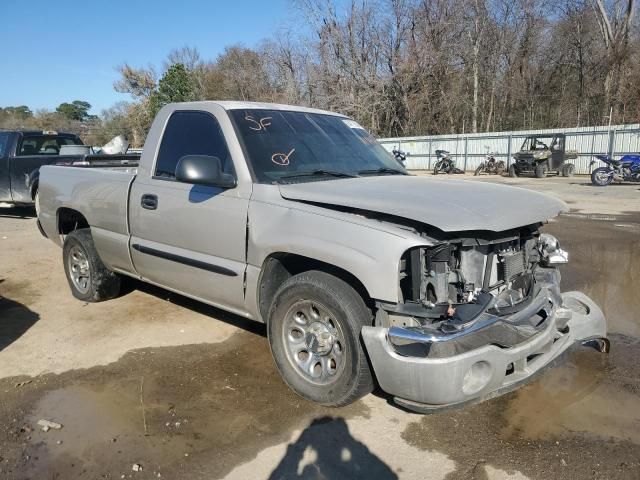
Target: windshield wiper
x,y
318,173
391,171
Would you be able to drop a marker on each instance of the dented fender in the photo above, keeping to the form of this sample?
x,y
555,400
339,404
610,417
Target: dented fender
x,y
367,249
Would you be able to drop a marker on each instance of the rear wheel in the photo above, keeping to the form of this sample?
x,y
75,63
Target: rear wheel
x,y
568,169
88,278
500,167
513,171
540,171
314,333
601,177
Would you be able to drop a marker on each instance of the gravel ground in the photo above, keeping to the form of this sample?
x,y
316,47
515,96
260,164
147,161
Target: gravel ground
x,y
183,390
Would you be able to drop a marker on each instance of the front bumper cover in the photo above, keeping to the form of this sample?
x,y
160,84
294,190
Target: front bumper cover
x,y
427,384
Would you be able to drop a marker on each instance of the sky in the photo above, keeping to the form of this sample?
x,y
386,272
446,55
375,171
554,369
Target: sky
x,y
65,50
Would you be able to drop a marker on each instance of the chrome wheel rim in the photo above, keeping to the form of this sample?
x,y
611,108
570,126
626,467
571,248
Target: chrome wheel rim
x,y
602,177
79,270
314,342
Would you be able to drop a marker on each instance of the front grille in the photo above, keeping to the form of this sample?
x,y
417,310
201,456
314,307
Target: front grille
x,y
511,265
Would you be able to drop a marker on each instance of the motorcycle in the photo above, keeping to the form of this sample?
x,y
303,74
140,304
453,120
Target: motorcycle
x,y
445,163
626,169
491,166
400,156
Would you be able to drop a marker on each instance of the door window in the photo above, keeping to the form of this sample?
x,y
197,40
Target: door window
x,y
191,133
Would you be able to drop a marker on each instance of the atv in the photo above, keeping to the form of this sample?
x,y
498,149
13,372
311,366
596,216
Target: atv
x,y
543,154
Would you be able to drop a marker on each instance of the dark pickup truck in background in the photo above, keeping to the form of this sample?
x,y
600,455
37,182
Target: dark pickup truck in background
x,y
23,152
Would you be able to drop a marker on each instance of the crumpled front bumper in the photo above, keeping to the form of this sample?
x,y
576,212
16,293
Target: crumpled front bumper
x,y
426,384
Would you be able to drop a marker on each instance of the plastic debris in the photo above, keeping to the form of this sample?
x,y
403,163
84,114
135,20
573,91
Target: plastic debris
x,y
48,425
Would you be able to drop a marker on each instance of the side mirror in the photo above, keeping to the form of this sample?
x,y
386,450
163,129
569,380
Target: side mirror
x,y
203,170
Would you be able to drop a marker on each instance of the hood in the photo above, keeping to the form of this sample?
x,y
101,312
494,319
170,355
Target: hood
x,y
449,205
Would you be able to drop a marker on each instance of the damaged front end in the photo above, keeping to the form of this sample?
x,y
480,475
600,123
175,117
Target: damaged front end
x,y
479,315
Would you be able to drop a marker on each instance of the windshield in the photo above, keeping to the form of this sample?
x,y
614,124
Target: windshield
x,y
283,146
537,143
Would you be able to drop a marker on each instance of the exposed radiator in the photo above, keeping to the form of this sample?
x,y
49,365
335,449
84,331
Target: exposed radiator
x,y
510,265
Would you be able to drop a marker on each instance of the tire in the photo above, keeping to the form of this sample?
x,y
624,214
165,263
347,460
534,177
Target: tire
x,y
568,169
36,202
89,279
601,177
540,171
437,167
513,171
479,170
500,167
332,375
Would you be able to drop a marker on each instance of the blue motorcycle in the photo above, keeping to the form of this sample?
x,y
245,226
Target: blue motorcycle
x,y
627,169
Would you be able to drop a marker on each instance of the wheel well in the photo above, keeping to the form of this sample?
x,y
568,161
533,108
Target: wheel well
x,y
70,220
278,267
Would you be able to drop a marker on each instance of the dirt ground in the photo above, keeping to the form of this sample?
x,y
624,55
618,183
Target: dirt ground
x,y
185,391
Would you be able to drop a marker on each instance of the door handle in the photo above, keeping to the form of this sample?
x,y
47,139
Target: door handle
x,y
149,201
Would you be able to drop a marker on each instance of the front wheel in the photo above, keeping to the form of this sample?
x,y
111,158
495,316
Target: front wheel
x,y
479,170
36,202
437,167
513,171
314,333
89,279
602,176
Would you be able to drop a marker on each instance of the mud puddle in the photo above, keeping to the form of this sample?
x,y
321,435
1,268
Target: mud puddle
x,y
183,412
604,263
581,419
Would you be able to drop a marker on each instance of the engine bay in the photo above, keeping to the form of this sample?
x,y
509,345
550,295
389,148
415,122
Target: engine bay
x,y
456,279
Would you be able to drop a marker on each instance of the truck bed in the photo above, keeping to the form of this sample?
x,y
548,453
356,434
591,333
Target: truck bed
x,y
101,193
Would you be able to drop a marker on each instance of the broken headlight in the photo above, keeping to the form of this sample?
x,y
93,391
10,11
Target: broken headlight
x,y
550,251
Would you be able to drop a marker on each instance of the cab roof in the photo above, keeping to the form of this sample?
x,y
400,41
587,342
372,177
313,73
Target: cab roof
x,y
42,133
238,105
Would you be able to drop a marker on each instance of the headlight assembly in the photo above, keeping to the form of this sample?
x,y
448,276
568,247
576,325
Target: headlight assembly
x,y
550,251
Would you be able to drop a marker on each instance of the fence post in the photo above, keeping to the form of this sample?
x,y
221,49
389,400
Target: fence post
x,y
429,157
612,142
509,151
466,149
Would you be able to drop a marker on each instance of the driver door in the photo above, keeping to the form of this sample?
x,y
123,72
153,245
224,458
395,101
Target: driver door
x,y
190,238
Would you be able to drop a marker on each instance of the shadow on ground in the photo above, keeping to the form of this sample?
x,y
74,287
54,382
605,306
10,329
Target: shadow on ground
x,y
246,324
326,449
15,320
17,212
612,184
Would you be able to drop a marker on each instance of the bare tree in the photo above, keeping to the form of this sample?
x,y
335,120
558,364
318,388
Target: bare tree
x,y
139,82
403,67
614,20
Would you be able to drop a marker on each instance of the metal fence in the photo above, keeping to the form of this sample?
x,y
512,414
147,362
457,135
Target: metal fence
x,y
469,150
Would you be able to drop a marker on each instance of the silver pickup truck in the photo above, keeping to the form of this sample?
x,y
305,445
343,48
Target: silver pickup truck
x,y
442,292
